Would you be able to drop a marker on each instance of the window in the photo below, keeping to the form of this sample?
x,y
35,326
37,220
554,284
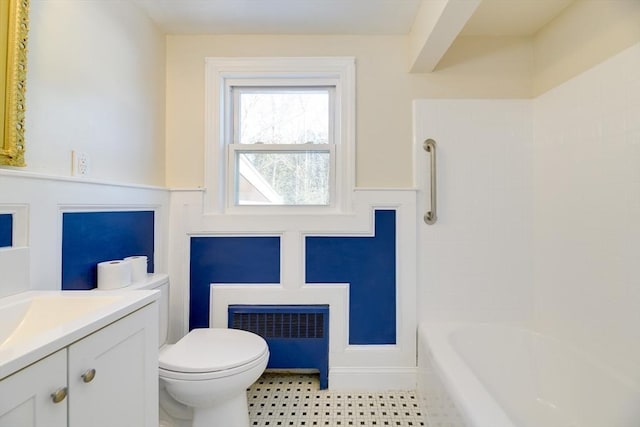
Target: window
x,y
281,149
280,134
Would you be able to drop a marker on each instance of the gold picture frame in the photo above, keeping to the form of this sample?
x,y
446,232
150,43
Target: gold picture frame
x,y
14,15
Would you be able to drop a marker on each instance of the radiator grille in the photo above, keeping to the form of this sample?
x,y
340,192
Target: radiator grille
x,y
281,325
297,335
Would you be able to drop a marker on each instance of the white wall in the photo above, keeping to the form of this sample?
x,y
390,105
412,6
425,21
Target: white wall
x,y
385,91
96,74
539,208
95,84
583,35
38,202
586,164
475,261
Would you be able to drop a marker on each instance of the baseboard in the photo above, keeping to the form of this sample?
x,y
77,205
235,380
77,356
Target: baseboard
x,y
372,378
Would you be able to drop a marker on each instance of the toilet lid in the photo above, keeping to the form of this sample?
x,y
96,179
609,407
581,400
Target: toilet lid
x,y
212,349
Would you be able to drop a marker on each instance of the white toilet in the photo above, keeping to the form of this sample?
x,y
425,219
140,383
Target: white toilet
x,y
208,370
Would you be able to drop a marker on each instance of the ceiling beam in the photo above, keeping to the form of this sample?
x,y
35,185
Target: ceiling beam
x,y
437,24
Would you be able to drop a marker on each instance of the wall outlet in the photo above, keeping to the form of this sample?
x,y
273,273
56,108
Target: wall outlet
x,y
80,163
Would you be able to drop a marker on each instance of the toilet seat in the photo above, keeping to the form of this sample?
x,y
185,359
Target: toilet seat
x,y
209,353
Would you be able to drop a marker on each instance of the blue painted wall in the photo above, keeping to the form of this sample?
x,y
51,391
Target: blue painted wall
x,y
216,259
368,264
6,230
89,238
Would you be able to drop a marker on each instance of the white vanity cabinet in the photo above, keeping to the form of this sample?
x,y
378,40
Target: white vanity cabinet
x,y
113,374
25,397
110,377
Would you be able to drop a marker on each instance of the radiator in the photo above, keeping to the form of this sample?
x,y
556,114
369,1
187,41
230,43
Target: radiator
x,y
298,335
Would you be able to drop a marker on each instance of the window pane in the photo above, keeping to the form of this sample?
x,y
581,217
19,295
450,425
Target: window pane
x,y
282,178
283,116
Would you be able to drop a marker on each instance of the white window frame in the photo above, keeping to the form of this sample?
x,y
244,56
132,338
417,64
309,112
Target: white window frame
x,y
223,73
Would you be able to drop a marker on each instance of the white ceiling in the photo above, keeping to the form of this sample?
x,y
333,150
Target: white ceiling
x,y
493,17
282,16
512,17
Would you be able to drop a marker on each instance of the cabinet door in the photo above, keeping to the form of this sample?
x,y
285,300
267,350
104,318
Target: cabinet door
x,y
113,374
25,397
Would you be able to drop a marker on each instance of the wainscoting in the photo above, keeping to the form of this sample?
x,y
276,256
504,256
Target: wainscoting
x,y
361,264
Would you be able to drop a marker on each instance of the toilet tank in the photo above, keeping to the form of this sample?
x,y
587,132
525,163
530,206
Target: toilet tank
x,y
160,282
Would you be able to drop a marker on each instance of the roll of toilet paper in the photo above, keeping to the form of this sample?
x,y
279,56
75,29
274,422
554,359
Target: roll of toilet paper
x,y
114,274
138,267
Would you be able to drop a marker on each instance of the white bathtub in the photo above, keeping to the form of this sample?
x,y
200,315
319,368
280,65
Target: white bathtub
x,y
501,376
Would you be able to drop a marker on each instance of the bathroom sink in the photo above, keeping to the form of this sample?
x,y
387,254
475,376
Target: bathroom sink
x,y
41,313
36,323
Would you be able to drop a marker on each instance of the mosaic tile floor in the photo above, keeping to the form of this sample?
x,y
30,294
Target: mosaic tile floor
x,y
296,400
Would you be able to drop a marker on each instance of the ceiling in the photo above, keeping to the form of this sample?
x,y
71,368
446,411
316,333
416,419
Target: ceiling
x,y
383,17
282,16
512,17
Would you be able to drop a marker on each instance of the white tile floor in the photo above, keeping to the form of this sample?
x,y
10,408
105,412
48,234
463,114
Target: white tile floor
x,y
440,410
296,400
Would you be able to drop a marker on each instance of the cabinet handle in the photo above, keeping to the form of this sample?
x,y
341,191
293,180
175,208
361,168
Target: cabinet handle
x,y
88,376
59,395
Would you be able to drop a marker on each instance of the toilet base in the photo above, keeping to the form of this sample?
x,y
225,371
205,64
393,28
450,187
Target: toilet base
x,y
230,413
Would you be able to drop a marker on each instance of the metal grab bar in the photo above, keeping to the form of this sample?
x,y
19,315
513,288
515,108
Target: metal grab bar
x,y
431,216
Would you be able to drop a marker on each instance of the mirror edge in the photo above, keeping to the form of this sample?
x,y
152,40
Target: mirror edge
x,y
12,149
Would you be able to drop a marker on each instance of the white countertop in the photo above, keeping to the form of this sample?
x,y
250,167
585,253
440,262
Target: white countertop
x,y
29,337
